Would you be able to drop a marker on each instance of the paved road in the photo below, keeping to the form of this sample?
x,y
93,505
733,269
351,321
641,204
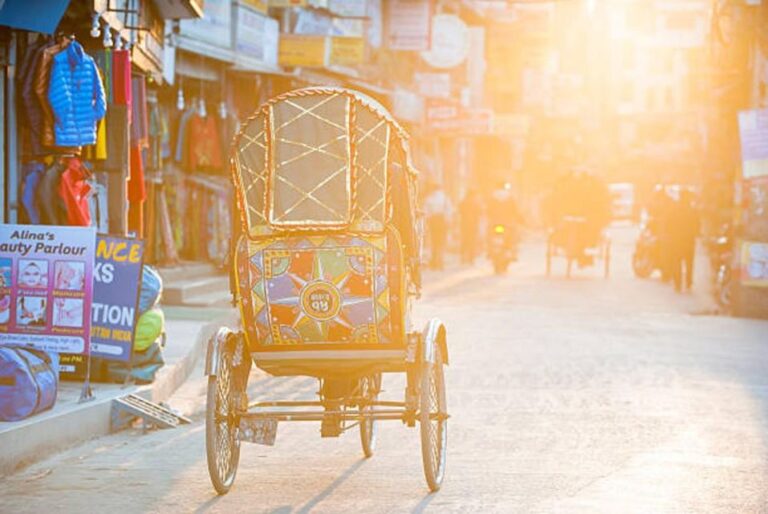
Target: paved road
x,y
582,395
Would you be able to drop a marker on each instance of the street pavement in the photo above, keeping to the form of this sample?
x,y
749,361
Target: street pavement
x,y
566,395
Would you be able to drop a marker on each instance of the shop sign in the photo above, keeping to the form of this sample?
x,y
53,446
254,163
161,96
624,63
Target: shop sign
x,y
754,264
408,106
373,26
215,27
347,51
433,85
348,8
408,24
456,120
288,3
46,286
261,6
303,51
256,36
753,133
117,278
449,44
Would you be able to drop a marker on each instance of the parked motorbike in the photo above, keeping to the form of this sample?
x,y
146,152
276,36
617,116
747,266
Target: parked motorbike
x,y
721,254
502,247
647,256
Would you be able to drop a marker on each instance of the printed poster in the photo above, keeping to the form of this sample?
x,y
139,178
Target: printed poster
x,y
46,286
117,279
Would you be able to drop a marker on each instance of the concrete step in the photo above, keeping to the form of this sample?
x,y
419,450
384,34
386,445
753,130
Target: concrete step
x,y
181,292
186,270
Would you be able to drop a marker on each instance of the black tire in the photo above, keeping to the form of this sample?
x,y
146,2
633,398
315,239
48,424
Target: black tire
x,y
369,389
433,421
222,446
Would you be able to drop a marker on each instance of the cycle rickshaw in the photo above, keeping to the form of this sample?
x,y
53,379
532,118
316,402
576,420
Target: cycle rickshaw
x,y
574,239
325,269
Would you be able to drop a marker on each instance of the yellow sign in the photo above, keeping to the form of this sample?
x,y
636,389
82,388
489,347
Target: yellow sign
x,y
261,6
287,3
347,51
303,51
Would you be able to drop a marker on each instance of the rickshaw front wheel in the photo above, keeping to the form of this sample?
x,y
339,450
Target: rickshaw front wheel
x,y
433,421
369,390
221,443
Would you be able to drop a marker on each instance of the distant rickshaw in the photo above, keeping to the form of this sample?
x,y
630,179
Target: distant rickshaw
x,y
325,268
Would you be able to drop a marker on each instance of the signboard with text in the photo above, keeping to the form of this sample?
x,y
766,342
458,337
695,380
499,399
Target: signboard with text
x,y
753,134
117,279
408,24
46,286
304,51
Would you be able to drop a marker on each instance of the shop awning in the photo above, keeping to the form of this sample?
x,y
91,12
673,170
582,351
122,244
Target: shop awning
x,y
179,9
33,15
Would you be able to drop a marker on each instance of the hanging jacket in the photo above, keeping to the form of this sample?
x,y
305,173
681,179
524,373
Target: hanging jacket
x,y
74,190
77,97
33,109
42,78
47,198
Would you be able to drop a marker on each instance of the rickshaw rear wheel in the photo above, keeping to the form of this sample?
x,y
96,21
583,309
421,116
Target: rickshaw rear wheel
x,y
433,421
221,443
369,390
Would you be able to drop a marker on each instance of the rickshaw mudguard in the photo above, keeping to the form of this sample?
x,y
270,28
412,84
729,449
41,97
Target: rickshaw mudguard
x,y
214,345
434,334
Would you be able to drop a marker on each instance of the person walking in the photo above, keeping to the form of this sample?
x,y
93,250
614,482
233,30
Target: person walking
x,y
684,228
438,210
469,220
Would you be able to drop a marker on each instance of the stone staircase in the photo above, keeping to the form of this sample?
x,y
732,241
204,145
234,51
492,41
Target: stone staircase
x,y
195,284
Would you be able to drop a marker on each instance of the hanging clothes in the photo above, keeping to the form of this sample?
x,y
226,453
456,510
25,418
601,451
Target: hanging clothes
x,y
137,192
49,202
139,114
42,86
121,78
204,148
74,191
77,97
32,173
29,111
33,109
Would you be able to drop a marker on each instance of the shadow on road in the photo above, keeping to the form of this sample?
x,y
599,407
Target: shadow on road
x,y
307,507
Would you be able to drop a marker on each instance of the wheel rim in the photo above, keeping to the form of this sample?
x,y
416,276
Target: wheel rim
x,y
368,390
225,446
434,423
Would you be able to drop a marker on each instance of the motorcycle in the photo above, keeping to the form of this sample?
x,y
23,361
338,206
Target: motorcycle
x,y
721,253
502,247
647,256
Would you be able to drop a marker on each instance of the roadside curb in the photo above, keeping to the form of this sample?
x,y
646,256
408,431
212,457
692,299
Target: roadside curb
x,y
37,437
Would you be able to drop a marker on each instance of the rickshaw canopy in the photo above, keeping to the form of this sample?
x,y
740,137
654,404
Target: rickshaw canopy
x,y
319,159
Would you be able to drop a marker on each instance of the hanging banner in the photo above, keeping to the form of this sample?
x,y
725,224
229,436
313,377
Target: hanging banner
x,y
754,264
408,24
117,279
449,43
46,286
215,27
433,85
303,51
256,38
753,133
347,51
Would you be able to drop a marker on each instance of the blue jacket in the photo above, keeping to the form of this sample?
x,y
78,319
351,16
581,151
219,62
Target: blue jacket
x,y
76,95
